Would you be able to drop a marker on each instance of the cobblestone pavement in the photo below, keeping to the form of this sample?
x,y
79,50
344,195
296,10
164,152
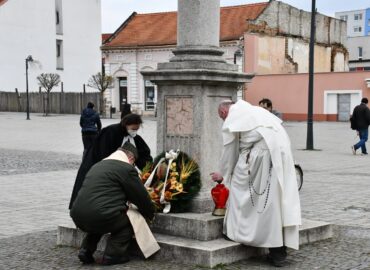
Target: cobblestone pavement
x,y
24,162
38,251
38,162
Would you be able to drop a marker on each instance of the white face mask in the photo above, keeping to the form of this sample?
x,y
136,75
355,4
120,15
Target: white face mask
x,y
132,133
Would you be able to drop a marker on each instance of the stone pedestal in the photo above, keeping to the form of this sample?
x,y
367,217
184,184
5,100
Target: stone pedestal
x,y
196,239
190,87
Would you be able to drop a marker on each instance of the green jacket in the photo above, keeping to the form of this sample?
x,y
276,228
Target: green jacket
x,y
107,187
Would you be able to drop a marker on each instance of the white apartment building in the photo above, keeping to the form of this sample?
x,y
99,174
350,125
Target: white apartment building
x,y
62,36
358,38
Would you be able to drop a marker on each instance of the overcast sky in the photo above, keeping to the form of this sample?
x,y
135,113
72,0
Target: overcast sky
x,y
115,12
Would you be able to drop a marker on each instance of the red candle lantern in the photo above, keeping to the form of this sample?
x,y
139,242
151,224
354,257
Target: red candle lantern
x,y
220,194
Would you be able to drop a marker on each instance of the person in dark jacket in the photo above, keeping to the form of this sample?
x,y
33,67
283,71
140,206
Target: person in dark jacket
x,y
102,203
90,125
361,121
108,140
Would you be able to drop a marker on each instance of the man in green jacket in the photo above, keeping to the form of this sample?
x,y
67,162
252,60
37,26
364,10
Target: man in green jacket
x,y
101,205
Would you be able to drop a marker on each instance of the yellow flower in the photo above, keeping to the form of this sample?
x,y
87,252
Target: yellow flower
x,y
179,187
187,169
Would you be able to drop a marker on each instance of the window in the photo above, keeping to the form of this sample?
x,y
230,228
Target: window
x,y
358,17
59,54
357,29
367,68
368,22
149,95
58,17
344,17
359,53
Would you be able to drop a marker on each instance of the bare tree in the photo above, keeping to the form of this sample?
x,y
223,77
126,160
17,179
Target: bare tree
x,y
101,82
48,81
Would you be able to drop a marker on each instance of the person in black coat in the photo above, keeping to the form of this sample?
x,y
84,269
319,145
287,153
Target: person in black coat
x,y
90,125
108,140
361,121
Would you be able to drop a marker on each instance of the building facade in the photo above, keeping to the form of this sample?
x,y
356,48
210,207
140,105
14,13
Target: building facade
x,y
62,36
262,38
334,98
358,38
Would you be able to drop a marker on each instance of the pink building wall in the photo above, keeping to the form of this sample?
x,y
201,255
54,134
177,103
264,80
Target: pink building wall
x,y
289,92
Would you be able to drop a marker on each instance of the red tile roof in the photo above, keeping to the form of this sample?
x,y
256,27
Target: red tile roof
x,y
104,37
157,29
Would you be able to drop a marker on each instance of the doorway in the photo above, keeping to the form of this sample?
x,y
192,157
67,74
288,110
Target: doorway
x,y
344,107
122,91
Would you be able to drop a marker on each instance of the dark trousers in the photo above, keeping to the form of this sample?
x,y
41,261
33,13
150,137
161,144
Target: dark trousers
x,y
88,140
119,241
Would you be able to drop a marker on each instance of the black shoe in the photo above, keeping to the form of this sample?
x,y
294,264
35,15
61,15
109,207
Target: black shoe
x,y
85,256
110,260
275,262
226,238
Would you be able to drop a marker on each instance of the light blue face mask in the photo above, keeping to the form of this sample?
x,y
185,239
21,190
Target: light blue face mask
x,y
132,132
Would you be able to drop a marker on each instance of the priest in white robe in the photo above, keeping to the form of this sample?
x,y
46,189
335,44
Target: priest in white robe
x,y
263,209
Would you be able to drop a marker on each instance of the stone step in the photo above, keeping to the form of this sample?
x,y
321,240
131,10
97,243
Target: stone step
x,y
196,226
173,248
206,227
202,253
208,253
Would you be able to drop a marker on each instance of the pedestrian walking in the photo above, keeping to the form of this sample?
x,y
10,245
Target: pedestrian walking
x,y
360,121
90,125
263,207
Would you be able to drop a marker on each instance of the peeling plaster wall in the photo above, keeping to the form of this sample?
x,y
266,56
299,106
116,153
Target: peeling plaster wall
x,y
285,55
281,35
289,20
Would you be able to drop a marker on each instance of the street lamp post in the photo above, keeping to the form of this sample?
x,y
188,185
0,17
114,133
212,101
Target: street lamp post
x,y
309,142
28,59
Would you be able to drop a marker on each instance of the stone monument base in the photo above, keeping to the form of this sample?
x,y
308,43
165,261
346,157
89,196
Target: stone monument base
x,y
197,239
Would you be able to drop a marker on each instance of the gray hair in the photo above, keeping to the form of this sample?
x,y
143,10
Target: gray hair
x,y
226,103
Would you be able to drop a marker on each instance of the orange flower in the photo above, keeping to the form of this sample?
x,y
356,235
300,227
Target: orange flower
x,y
168,195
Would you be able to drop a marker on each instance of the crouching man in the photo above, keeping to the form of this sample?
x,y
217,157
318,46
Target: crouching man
x,y
101,207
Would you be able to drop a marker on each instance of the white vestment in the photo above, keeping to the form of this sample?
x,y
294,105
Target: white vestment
x,y
263,207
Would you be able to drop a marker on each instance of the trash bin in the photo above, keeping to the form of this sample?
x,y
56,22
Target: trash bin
x,y
113,109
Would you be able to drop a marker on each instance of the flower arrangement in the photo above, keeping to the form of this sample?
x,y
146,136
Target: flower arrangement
x,y
172,181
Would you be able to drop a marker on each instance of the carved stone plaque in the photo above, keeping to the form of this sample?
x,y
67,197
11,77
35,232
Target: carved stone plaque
x,y
179,115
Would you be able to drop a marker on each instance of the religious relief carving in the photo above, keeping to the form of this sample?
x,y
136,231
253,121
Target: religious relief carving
x,y
179,115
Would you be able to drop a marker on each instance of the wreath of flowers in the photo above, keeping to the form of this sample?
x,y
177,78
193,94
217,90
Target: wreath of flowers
x,y
172,180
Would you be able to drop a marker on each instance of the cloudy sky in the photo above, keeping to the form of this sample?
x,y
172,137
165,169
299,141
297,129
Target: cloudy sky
x,y
115,12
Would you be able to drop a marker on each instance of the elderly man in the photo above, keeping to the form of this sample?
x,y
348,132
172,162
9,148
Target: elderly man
x,y
257,165
101,206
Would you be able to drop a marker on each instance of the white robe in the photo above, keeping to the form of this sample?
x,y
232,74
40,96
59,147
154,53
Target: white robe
x,y
263,207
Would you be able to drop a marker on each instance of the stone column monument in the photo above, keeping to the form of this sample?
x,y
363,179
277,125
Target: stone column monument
x,y
190,88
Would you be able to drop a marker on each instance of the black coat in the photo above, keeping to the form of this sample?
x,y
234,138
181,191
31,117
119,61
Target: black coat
x,y
102,198
361,117
107,142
